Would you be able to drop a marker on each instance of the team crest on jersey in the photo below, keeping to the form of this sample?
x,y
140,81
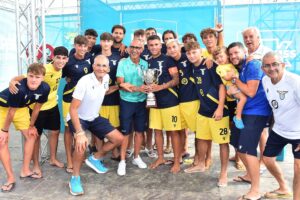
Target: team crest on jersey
x,y
88,60
282,94
184,81
146,57
114,62
184,63
160,64
202,71
274,104
37,96
106,85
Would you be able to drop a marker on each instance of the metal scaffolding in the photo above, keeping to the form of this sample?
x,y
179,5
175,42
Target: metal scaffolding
x,y
30,26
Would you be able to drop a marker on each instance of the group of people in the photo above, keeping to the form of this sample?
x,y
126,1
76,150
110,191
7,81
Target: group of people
x,y
226,95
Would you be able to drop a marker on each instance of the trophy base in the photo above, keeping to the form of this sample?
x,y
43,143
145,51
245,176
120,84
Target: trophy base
x,y
151,104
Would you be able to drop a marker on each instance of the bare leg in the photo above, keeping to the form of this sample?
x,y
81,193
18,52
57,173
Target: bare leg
x,y
138,139
68,140
168,146
252,166
53,141
124,147
262,145
275,170
28,151
176,144
208,160
6,162
224,155
159,140
184,141
35,157
149,138
115,138
296,182
202,146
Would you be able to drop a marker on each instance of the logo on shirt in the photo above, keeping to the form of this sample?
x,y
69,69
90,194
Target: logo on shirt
x,y
184,63
114,62
88,60
160,64
282,94
37,96
146,57
274,104
202,71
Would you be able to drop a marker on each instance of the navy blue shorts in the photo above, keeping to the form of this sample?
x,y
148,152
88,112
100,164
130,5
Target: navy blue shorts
x,y
231,108
246,140
99,127
276,143
132,115
47,119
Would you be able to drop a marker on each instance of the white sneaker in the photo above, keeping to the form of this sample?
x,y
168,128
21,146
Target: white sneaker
x,y
121,168
139,162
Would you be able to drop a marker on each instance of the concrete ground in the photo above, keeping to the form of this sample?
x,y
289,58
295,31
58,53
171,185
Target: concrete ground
x,y
137,184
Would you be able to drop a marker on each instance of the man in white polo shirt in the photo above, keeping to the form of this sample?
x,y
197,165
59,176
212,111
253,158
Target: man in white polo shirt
x,y
87,100
283,93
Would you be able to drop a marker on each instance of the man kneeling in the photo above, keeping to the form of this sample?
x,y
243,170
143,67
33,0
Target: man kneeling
x,y
87,100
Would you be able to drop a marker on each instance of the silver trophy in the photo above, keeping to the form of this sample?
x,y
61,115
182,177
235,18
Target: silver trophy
x,y
151,76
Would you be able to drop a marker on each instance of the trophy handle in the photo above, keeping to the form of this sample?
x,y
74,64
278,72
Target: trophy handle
x,y
159,72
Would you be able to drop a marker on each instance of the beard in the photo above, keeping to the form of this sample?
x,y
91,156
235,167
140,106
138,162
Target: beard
x,y
118,42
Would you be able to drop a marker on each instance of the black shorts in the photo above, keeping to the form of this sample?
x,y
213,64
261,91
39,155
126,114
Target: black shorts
x,y
246,140
47,119
231,108
132,115
276,143
99,127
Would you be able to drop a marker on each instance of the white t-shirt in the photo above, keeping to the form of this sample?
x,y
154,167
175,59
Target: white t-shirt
x,y
91,94
284,98
260,52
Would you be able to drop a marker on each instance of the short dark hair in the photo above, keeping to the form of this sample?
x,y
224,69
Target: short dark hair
x,y
235,44
207,31
118,26
151,28
153,37
189,35
106,36
80,39
60,51
37,69
139,32
169,31
192,45
91,32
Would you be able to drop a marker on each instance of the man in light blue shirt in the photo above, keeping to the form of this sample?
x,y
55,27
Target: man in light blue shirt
x,y
132,103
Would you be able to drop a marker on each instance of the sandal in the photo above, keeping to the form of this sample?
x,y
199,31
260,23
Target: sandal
x,y
167,150
69,170
9,187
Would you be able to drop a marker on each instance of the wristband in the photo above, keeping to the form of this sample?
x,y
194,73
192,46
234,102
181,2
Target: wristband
x,y
6,131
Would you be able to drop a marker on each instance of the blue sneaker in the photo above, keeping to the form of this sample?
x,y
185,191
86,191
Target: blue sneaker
x,y
238,123
96,165
75,186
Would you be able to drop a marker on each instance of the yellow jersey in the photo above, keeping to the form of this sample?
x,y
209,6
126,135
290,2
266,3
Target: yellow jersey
x,y
52,78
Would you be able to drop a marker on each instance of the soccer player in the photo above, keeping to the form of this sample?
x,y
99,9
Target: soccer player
x,y
141,35
132,103
256,113
166,36
91,35
188,37
282,89
167,114
212,119
49,117
118,32
13,108
111,104
150,31
188,99
84,115
79,64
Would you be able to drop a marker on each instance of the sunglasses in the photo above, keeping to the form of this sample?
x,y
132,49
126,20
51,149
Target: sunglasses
x,y
135,47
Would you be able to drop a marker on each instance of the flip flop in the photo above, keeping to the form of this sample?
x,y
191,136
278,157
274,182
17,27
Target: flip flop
x,y
185,156
171,162
247,198
11,187
69,170
276,195
241,179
